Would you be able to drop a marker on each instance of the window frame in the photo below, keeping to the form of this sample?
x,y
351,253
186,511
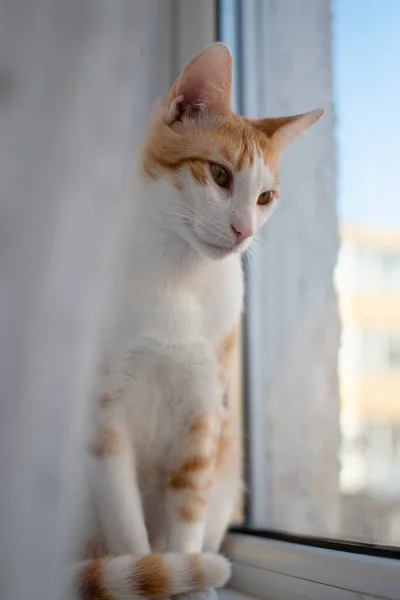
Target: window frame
x,y
273,569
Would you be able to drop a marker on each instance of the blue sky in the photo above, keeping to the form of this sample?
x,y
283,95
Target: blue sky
x,y
367,99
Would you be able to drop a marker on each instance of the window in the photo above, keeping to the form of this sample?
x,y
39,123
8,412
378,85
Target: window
x,y
323,338
366,264
366,351
320,373
394,354
321,395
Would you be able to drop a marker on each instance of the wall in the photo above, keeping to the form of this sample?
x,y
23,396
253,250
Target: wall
x,y
76,82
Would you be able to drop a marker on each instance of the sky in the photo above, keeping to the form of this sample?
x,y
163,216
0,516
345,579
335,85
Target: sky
x,y
367,103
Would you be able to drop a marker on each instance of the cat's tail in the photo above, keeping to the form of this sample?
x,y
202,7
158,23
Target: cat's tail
x,y
155,576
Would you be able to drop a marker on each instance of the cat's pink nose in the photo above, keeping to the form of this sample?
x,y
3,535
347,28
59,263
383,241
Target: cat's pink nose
x,y
243,234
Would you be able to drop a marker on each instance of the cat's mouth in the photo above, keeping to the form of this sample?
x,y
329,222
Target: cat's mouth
x,y
213,250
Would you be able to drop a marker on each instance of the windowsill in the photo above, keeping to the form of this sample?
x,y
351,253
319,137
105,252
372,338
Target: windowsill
x,y
231,594
275,570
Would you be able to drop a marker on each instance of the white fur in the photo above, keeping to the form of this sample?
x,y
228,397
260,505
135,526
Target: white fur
x,y
116,575
180,295
176,302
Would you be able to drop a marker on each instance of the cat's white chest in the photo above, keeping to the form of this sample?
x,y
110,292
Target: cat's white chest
x,y
204,307
220,297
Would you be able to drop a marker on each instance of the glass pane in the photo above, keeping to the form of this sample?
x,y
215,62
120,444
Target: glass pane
x,y
368,272
351,490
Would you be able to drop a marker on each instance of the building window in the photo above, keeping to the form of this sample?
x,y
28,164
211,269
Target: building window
x,y
394,354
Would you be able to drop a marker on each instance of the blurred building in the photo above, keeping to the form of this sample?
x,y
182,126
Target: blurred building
x,y
368,281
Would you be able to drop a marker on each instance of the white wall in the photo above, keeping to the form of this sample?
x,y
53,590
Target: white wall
x,y
76,82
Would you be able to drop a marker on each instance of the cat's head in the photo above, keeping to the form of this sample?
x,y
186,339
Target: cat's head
x,y
220,170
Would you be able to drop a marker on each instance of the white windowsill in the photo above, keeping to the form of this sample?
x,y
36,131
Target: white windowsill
x,y
231,594
273,570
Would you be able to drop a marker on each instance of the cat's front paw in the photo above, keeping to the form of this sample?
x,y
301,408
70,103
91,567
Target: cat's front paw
x,y
209,594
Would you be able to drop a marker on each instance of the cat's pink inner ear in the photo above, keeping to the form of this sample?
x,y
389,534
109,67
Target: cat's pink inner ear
x,y
205,84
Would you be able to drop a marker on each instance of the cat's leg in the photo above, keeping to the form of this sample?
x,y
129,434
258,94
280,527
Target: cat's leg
x,y
224,492
189,483
227,483
227,486
189,489
114,482
194,394
194,459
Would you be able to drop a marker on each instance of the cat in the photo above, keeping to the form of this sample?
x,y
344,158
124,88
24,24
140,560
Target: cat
x,y
163,457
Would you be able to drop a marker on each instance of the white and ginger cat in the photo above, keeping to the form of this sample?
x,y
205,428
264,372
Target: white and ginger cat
x,y
163,459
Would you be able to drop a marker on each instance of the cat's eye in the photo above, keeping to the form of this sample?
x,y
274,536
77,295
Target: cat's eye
x,y
221,175
265,198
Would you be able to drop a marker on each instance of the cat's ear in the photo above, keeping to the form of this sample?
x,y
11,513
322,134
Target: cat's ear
x,y
284,130
205,84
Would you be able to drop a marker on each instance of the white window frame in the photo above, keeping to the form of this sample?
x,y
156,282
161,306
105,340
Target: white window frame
x,y
276,570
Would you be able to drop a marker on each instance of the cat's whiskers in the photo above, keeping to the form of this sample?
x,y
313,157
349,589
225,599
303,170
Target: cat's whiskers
x,y
165,210
250,252
170,217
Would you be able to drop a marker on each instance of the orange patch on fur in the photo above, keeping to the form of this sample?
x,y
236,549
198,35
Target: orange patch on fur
x,y
198,171
150,577
193,478
224,442
245,148
177,183
226,138
196,571
110,444
90,585
191,514
224,355
186,476
192,509
195,463
202,425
